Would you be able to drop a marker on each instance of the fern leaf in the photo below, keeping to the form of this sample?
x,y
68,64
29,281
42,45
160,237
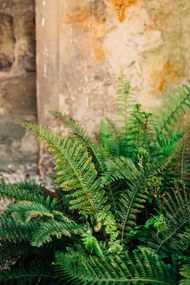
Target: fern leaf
x,y
180,165
76,173
118,168
26,211
140,267
125,99
46,231
91,244
81,134
185,272
49,223
132,201
13,231
109,137
21,191
177,214
177,104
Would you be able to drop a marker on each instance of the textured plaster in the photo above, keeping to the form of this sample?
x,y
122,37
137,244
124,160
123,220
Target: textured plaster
x,y
17,83
87,43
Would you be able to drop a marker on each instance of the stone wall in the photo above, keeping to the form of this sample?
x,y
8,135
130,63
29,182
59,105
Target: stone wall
x,y
82,46
17,83
87,43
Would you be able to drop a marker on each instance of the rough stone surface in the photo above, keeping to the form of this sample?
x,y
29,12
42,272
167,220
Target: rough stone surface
x,y
6,40
83,45
17,83
82,53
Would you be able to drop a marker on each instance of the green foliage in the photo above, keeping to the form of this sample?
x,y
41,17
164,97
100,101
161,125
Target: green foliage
x,y
91,244
79,174
185,272
33,274
142,266
120,213
143,136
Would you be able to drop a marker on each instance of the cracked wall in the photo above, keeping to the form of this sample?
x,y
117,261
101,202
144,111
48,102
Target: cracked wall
x,y
17,83
82,46
87,43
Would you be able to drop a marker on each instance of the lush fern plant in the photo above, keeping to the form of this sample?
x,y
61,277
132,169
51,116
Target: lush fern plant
x,y
120,211
140,135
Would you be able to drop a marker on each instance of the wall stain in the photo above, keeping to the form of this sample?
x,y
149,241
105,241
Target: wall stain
x,y
166,75
98,51
78,13
90,17
121,7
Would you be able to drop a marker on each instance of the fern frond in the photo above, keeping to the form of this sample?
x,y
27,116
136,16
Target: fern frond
x,y
177,105
176,212
20,274
76,173
118,168
138,129
49,223
109,137
185,272
180,165
80,133
125,99
114,136
140,267
51,229
21,191
132,201
91,244
12,231
26,211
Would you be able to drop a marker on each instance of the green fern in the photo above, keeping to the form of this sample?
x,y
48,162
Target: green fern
x,y
81,134
112,199
91,244
11,230
177,104
118,168
75,171
125,99
185,272
21,191
33,275
48,223
109,136
140,267
176,212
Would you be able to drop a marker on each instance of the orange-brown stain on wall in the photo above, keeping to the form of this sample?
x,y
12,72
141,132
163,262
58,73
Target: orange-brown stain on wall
x,y
77,13
166,74
96,46
121,7
86,17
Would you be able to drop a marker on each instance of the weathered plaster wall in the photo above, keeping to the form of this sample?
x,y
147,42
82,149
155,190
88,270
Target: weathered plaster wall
x,y
84,44
17,82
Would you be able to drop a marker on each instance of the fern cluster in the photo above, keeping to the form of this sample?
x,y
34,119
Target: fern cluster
x,y
120,212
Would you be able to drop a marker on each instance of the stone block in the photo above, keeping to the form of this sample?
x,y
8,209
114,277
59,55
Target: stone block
x,y
6,41
18,95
